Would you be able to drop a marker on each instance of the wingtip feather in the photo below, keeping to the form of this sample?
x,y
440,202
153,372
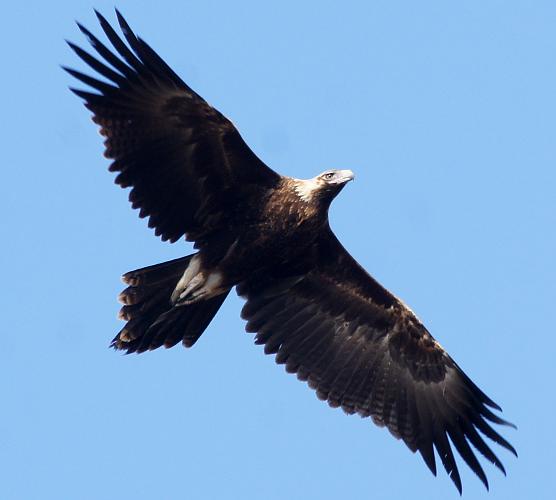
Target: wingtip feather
x,y
121,20
83,30
100,17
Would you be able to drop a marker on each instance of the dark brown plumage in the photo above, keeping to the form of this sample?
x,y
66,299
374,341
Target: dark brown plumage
x,y
307,299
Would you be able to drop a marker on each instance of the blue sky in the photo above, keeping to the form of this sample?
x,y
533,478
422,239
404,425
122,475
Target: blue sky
x,y
445,111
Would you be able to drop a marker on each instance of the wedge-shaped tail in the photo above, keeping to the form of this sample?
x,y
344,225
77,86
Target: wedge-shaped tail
x,y
152,320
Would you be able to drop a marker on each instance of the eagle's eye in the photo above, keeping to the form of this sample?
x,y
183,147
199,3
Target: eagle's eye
x,y
328,176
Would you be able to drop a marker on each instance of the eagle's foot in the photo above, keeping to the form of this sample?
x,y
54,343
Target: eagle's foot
x,y
201,286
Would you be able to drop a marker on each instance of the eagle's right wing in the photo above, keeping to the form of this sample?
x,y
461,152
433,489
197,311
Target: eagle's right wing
x,y
186,163
363,350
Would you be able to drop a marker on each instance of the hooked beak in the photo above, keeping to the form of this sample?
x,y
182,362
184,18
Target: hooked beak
x,y
346,176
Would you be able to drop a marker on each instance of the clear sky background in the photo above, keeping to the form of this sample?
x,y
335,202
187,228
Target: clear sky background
x,y
446,111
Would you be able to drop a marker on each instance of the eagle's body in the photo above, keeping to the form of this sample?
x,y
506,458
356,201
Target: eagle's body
x,y
293,216
268,236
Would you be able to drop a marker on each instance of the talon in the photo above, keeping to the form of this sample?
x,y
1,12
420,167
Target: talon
x,y
192,287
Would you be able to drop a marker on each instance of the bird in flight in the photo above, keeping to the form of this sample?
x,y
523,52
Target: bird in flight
x,y
307,299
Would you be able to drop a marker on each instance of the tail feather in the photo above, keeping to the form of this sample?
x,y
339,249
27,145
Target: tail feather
x,y
157,273
152,321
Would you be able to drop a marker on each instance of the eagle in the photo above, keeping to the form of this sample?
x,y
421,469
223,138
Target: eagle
x,y
268,236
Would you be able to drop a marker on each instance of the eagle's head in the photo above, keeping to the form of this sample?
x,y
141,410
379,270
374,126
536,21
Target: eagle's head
x,y
324,187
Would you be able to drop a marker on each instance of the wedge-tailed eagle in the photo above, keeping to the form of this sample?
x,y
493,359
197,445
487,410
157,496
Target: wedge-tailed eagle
x,y
308,301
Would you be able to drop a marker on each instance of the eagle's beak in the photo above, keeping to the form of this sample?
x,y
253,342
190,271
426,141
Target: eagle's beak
x,y
346,176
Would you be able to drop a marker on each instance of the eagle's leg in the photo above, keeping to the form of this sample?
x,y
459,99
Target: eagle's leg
x,y
197,284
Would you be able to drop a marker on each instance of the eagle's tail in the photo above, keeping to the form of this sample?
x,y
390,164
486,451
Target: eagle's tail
x,y
152,321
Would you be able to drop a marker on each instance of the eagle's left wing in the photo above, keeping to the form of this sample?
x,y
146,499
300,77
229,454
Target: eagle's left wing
x,y
362,349
187,165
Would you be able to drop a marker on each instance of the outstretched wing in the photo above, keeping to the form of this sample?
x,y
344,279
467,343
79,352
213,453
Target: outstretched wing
x,y
363,350
186,163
